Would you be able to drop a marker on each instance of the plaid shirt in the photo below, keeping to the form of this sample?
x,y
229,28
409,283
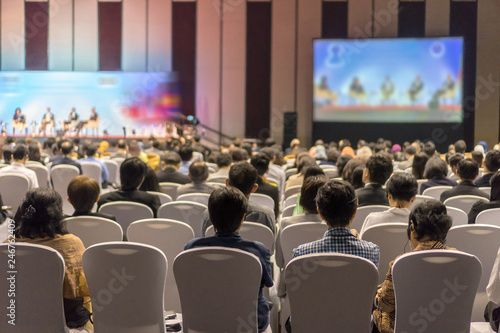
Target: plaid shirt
x,y
340,240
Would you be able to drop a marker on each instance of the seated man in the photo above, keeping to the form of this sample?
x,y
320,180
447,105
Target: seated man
x,y
467,172
186,154
243,176
198,173
491,165
224,161
435,171
20,156
227,207
480,205
170,163
261,163
90,151
402,188
453,162
122,151
132,174
83,193
377,170
67,152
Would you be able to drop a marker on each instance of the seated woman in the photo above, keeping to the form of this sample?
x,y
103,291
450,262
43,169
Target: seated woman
x,y
38,221
435,171
418,165
83,193
427,230
480,206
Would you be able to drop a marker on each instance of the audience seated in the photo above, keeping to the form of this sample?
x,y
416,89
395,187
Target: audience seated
x,y
132,173
17,167
261,163
478,157
56,150
155,148
480,206
186,154
428,227
453,163
401,191
275,171
121,151
227,207
198,173
83,193
349,168
67,152
491,165
90,151
243,176
224,161
377,171
302,166
150,182
429,149
34,152
410,151
134,150
435,171
342,162
170,163
467,172
418,165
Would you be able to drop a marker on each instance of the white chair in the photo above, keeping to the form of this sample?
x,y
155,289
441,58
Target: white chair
x,y
93,230
60,176
292,190
289,172
126,212
164,198
92,170
288,211
363,212
486,190
331,173
426,281
292,200
489,216
201,198
263,200
464,202
346,283
38,289
483,242
170,189
457,215
126,282
392,238
42,174
298,234
113,170
13,188
170,237
420,182
252,231
419,199
190,213
218,288
436,191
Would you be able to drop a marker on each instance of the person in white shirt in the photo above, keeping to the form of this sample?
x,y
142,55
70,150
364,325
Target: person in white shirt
x,y
402,188
19,158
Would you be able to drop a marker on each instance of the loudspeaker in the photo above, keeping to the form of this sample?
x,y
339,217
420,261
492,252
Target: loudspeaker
x,y
289,127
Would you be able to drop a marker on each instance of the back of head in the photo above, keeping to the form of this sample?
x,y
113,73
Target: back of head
x,y
429,149
495,187
171,158
156,144
333,155
418,165
20,152
132,173
90,149
467,169
67,147
460,146
402,186
314,170
269,152
238,154
34,152
122,144
260,162
134,149
198,172
380,168
454,159
270,142
83,193
478,157
430,220
186,152
337,202
10,140
243,176
304,163
309,191
224,160
410,150
150,182
226,207
349,169
492,160
342,161
357,177
435,167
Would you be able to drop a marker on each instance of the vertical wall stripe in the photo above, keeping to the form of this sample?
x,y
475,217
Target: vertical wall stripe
x,y
234,36
110,36
488,76
134,36
437,18
385,18
86,42
160,35
411,21
334,21
12,35
36,33
208,44
359,17
283,65
184,52
258,71
309,27
60,35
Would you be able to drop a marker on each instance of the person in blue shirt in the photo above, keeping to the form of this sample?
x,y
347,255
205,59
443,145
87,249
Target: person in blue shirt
x,y
227,208
90,151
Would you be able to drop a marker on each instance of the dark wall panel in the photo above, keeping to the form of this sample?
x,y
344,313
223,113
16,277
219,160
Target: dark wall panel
x,y
110,36
334,20
36,30
411,20
258,74
184,52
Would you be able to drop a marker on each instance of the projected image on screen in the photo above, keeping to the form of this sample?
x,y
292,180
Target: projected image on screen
x,y
388,80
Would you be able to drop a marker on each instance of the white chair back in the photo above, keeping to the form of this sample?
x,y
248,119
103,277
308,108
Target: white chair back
x,y
292,190
486,190
42,174
219,180
60,176
164,198
291,200
93,229
419,183
289,172
113,170
298,234
263,200
463,202
92,170
38,289
392,238
489,216
201,198
436,191
288,211
457,215
170,237
184,211
13,188
331,173
127,212
228,279
351,282
363,212
252,231
419,199
133,302
170,189
443,283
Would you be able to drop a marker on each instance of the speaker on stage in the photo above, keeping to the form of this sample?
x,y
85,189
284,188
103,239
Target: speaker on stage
x,y
289,128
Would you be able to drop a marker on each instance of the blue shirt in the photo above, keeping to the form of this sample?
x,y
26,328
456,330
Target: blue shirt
x,y
340,240
235,241
184,168
104,168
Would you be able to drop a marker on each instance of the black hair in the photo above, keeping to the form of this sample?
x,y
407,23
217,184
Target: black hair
x,y
410,150
198,172
270,153
305,163
20,151
171,158
122,144
226,208
150,182
478,157
349,169
34,152
492,160
380,168
357,177
430,219
314,170
429,148
435,167
186,152
10,140
67,147
467,169
90,149
342,161
337,202
454,159
260,162
309,191
402,186
418,165
132,173
243,176
460,146
333,155
238,154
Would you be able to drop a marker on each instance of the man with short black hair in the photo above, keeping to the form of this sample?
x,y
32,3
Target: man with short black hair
x,y
243,176
460,147
186,154
223,161
377,170
155,148
261,163
121,151
410,151
430,149
67,152
467,172
227,207
453,162
491,165
170,163
198,173
90,151
19,158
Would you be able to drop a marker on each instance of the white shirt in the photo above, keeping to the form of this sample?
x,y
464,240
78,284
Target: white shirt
x,y
393,214
20,169
493,288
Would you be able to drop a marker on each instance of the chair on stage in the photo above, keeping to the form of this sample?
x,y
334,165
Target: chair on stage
x,y
93,125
